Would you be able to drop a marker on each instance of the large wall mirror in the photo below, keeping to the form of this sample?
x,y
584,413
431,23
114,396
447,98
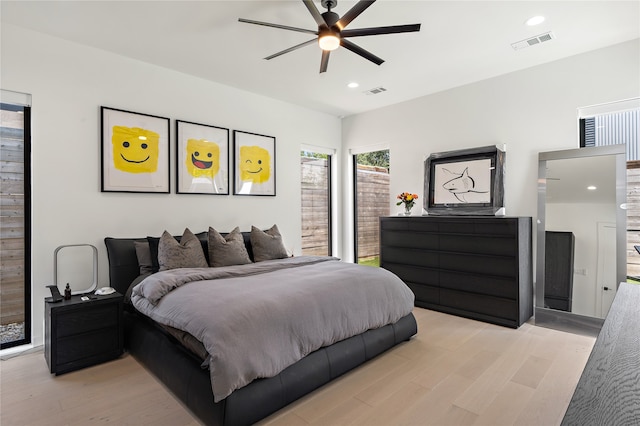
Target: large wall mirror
x,y
581,236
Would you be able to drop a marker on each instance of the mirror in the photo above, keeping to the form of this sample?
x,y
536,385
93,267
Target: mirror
x,y
581,236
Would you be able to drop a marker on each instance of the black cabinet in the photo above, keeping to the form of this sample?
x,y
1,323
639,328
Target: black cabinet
x,y
478,267
80,333
558,270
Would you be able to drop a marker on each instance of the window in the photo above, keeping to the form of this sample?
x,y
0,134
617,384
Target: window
x,y
15,283
611,124
316,203
611,129
371,201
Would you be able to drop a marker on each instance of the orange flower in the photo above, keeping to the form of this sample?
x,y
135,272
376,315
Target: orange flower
x,y
406,198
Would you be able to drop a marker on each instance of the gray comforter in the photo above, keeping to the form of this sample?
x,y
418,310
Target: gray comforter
x,y
255,320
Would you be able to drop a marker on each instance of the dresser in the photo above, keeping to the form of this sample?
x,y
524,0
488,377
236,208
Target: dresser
x,y
608,392
478,267
558,270
81,333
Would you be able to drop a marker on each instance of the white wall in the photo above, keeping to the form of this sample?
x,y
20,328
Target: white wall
x,y
69,83
530,111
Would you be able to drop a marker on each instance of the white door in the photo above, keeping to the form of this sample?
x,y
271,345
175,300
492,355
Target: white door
x,y
606,284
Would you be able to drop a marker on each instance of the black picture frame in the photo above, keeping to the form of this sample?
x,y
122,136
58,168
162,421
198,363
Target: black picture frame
x,y
134,152
465,182
254,164
202,159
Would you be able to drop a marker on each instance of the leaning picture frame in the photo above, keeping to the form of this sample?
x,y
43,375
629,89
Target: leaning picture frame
x,y
254,166
134,152
465,182
202,159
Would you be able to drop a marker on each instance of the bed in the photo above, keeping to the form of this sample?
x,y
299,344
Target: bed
x,y
168,352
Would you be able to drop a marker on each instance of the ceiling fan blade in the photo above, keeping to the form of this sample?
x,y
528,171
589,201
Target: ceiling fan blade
x,y
324,61
315,13
353,13
282,27
360,51
394,29
291,49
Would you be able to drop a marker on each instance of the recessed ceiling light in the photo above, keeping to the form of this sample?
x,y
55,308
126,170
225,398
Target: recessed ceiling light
x,y
352,85
591,188
535,20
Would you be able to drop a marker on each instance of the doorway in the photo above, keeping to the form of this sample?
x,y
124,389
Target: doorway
x,y
371,200
606,284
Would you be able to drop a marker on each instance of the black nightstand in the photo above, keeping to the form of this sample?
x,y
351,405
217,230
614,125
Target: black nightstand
x,y
82,333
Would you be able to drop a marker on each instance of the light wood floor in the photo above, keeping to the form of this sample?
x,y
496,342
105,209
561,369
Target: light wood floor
x,y
454,372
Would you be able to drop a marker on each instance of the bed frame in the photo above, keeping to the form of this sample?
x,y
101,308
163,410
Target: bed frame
x,y
180,370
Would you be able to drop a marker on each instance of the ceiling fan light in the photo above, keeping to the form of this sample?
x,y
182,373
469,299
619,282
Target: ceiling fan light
x,y
329,42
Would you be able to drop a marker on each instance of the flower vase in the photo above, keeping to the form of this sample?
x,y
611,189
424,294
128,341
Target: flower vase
x,y
407,210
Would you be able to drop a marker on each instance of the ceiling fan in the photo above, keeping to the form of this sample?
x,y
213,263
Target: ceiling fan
x,y
331,32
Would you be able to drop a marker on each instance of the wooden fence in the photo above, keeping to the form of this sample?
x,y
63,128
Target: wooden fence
x,y
373,202
315,206
12,254
633,218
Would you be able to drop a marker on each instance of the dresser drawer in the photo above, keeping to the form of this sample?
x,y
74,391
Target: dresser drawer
x,y
478,244
81,346
474,283
414,274
486,305
81,321
426,259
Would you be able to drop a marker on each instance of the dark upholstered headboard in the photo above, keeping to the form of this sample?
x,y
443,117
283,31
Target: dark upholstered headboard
x,y
123,262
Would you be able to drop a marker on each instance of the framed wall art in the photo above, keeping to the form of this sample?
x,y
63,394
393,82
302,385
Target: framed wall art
x,y
254,169
465,182
135,152
202,159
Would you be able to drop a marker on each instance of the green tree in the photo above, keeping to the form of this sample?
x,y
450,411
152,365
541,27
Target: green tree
x,y
375,158
311,154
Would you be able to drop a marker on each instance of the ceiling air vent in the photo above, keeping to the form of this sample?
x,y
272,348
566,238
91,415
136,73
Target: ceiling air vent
x,y
541,38
375,91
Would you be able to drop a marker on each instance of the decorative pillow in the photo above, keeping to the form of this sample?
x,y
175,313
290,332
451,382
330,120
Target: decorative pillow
x,y
227,251
267,244
143,253
153,248
185,254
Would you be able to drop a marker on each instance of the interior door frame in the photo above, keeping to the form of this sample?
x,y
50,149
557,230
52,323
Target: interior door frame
x,y
600,283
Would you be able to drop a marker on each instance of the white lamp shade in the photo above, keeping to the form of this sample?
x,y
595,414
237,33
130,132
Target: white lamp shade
x,y
329,42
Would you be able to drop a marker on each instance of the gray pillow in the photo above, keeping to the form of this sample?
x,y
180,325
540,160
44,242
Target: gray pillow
x,y
143,253
227,251
184,254
267,244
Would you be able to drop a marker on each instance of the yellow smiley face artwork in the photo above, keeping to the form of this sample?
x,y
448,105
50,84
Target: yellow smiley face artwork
x,y
254,164
203,158
135,150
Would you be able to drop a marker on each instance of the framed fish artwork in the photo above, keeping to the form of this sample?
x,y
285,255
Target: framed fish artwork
x,y
465,182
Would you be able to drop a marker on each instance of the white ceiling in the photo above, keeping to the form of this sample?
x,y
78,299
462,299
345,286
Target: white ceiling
x,y
460,42
568,179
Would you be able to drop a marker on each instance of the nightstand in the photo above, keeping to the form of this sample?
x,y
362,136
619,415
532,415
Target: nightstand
x,y
82,333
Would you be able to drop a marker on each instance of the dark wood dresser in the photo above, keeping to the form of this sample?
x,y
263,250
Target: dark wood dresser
x,y
608,392
82,333
478,267
558,270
